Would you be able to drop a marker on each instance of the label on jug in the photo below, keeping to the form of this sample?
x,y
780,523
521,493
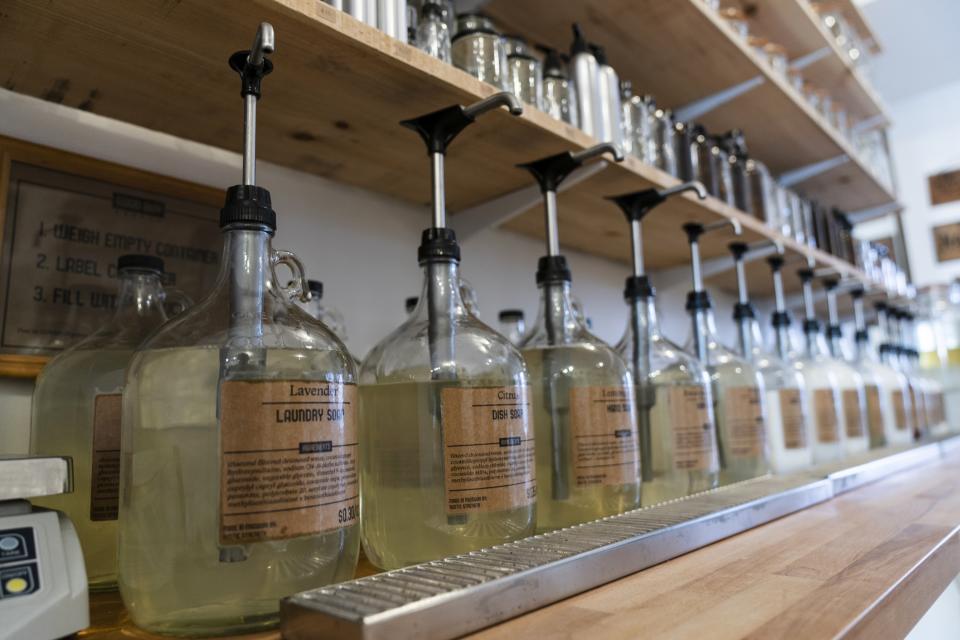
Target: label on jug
x,y
852,414
605,448
874,415
488,449
288,459
791,415
743,414
105,461
825,412
900,409
694,440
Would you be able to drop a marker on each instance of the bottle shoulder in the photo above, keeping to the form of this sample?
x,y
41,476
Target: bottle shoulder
x,y
477,352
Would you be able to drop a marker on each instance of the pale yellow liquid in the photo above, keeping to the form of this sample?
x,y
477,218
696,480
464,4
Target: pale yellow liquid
x,y
171,577
62,425
403,496
668,482
553,372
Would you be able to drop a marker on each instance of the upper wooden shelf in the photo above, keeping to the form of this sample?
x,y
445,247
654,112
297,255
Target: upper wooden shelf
x,y
330,108
796,26
681,51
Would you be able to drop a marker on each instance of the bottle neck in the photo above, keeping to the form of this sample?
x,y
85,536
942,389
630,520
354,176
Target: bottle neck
x,y
703,333
557,319
141,294
749,338
249,276
836,347
784,344
643,329
815,342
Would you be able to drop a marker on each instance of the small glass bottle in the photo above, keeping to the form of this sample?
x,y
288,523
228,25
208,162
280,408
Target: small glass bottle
x,y
788,425
853,390
445,426
588,456
433,35
739,394
677,428
559,93
889,420
239,395
512,325
329,316
823,386
76,413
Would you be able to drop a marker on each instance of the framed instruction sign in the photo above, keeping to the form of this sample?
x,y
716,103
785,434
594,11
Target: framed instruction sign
x,y
65,221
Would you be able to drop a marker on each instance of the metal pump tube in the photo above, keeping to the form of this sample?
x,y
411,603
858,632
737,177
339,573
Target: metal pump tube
x,y
700,322
248,254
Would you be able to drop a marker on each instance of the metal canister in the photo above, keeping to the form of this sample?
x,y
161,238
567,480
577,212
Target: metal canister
x,y
762,192
584,71
700,159
720,168
478,49
611,126
663,147
684,150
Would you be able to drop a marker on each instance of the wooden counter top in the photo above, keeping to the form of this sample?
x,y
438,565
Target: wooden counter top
x,y
866,564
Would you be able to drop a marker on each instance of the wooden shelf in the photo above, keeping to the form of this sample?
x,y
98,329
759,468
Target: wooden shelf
x,y
796,26
681,51
332,108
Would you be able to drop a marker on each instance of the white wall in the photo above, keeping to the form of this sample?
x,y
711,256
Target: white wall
x,y
360,244
926,140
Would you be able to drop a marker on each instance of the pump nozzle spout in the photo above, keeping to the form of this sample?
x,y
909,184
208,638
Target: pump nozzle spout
x,y
598,150
694,185
502,99
264,43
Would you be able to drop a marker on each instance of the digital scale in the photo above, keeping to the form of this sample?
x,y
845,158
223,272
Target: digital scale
x,y
43,581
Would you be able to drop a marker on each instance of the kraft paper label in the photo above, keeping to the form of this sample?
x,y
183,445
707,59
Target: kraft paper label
x,y
826,414
744,419
288,459
918,416
605,447
488,449
852,414
874,416
694,440
791,414
900,410
105,461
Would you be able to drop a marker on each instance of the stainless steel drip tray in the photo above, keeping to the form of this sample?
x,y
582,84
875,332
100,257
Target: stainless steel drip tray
x,y
451,597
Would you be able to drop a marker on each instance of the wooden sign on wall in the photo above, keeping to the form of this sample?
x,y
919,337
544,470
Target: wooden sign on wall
x,y
65,220
946,237
944,187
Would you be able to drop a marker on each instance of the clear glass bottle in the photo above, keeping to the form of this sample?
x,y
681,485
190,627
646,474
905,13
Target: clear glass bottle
x,y
432,34
76,413
588,454
788,398
888,393
788,424
445,426
559,92
898,356
512,325
240,393
329,316
739,394
675,408
823,386
853,390
676,424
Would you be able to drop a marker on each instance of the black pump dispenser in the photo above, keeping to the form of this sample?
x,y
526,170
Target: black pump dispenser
x,y
247,203
550,172
579,44
553,66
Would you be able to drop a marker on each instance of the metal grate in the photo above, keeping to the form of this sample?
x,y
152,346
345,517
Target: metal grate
x,y
451,597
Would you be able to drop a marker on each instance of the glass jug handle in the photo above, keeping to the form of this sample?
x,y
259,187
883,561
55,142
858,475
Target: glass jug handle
x,y
300,289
